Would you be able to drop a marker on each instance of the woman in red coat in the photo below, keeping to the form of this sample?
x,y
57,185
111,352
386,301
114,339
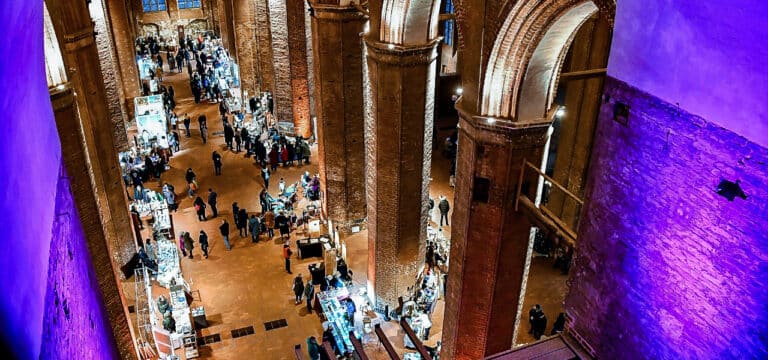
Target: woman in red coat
x,y
284,155
273,158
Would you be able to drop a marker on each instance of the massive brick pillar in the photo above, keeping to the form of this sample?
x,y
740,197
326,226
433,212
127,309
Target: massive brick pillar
x,y
297,52
489,239
264,47
75,159
245,39
76,36
110,73
339,88
283,93
399,155
121,20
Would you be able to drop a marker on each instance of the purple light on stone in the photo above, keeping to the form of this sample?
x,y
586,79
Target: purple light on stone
x,y
30,196
666,268
708,56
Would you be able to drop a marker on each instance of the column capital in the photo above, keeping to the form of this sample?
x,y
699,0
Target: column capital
x,y
79,39
519,134
333,12
62,97
402,55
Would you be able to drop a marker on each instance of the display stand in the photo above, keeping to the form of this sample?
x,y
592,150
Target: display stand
x,y
336,315
169,268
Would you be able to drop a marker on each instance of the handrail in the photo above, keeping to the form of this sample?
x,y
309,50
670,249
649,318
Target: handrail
x,y
385,341
358,346
415,339
551,180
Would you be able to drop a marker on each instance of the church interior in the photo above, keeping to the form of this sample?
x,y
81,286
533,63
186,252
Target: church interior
x,y
384,179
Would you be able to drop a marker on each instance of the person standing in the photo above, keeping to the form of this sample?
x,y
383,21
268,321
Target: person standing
x,y
216,163
149,248
203,240
254,227
181,244
200,208
269,221
309,293
274,158
235,212
283,224
238,141
313,348
444,208
265,175
224,229
263,200
242,222
559,325
204,129
298,288
229,134
539,324
287,255
170,197
212,202
281,186
188,244
186,125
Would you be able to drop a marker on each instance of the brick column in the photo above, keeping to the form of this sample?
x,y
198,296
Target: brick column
x,y
264,47
297,53
283,93
399,155
489,239
75,159
75,33
338,70
123,37
245,39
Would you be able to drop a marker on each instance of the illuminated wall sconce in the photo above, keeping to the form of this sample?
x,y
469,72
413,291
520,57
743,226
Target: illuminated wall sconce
x,y
391,46
730,190
459,91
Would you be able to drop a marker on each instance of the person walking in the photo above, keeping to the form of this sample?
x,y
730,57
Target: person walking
x,y
181,244
313,348
235,212
309,293
212,196
224,229
269,221
444,208
298,288
200,209
242,222
265,175
186,125
189,244
216,163
191,182
287,255
254,226
203,240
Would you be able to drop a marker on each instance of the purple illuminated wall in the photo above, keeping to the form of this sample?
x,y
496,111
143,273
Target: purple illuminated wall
x,y
36,266
709,56
665,267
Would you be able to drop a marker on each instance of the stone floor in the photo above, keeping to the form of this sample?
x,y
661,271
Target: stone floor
x,y
248,285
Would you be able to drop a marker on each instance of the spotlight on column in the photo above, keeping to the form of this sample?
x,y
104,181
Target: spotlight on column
x,y
560,112
391,46
459,91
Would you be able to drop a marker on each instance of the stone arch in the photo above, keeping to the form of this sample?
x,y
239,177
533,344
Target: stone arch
x,y
527,55
152,29
409,22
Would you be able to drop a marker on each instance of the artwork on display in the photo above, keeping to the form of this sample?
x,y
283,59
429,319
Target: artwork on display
x,y
146,65
153,127
145,105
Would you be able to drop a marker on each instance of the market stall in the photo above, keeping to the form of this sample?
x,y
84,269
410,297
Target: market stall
x,y
338,316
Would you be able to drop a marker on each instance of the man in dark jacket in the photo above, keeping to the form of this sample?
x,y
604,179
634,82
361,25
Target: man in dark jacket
x,y
216,163
242,222
444,208
224,229
229,134
203,240
212,201
298,288
254,226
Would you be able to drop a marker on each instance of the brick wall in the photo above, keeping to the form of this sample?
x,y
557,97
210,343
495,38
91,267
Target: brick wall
x,y
665,268
75,325
278,19
297,44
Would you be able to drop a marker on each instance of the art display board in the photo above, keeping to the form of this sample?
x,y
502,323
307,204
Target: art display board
x,y
146,65
153,126
152,104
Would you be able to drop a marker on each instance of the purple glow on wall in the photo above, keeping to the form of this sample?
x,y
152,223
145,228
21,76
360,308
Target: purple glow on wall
x,y
665,267
708,56
29,164
30,160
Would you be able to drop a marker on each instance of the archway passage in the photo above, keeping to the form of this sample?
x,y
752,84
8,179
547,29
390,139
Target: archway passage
x,y
492,244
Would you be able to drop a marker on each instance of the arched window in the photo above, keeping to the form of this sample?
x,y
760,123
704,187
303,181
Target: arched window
x,y
189,4
154,5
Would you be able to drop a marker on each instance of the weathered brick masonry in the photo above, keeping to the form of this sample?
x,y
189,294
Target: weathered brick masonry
x,y
665,268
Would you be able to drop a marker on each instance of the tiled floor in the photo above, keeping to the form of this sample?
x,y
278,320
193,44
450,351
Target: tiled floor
x,y
248,285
